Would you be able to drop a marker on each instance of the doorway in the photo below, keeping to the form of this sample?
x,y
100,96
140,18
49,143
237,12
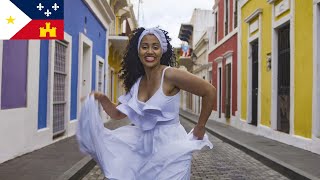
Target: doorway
x,y
228,91
85,68
255,81
219,91
283,99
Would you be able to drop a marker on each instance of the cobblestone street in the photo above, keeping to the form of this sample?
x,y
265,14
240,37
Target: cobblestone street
x,y
222,162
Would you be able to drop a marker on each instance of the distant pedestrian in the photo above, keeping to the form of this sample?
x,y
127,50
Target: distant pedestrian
x,y
157,146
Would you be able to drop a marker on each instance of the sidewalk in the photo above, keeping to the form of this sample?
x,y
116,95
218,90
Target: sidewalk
x,y
61,160
291,161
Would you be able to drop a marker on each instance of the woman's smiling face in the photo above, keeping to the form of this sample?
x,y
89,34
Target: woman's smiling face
x,y
150,51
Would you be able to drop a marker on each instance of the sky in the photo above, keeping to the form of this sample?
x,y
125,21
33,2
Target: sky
x,y
168,14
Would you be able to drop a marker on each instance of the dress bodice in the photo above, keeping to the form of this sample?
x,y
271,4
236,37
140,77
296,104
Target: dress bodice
x,y
159,109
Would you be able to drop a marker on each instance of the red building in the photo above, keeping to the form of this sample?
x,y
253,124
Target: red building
x,y
223,56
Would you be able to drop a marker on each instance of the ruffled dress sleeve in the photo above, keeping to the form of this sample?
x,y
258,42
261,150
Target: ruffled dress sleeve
x,y
124,100
128,106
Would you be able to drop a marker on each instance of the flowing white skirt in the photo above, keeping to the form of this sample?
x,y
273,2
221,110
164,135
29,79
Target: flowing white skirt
x,y
124,153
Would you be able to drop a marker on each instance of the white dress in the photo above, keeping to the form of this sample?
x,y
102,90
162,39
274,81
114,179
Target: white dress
x,y
156,148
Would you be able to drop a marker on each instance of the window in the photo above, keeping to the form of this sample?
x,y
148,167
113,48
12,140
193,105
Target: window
x,y
210,76
226,17
100,74
100,77
235,14
111,85
14,74
124,26
59,87
189,96
216,28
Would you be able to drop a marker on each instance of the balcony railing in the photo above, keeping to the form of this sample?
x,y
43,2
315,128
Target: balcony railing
x,y
120,34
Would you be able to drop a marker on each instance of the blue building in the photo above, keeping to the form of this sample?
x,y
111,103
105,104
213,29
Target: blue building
x,y
42,84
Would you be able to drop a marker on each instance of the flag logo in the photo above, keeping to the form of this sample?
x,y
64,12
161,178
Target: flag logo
x,y
48,29
31,19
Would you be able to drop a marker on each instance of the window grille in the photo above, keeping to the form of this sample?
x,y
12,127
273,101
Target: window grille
x,y
284,79
100,80
100,77
59,88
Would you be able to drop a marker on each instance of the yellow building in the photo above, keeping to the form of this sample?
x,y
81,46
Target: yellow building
x,y
277,74
124,23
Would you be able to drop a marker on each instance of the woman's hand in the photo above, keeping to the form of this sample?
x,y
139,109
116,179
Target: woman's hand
x,y
97,95
199,131
184,80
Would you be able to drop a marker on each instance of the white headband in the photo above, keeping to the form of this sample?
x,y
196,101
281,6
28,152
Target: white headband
x,y
159,34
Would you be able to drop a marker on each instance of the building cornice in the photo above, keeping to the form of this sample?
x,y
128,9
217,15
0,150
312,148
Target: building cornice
x,y
203,41
224,39
102,10
198,51
227,54
215,6
256,13
133,17
243,2
202,67
271,1
119,4
218,59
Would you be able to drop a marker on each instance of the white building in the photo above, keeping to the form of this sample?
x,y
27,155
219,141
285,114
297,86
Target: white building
x,y
198,34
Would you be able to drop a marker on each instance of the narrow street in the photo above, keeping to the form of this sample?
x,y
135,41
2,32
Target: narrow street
x,y
222,162
253,64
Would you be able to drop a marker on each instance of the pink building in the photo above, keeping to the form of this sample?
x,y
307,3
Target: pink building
x,y
223,55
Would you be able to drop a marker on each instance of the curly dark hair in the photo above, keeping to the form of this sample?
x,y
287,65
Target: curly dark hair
x,y
131,66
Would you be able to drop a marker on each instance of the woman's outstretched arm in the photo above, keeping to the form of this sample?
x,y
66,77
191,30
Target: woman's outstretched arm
x,y
108,106
195,85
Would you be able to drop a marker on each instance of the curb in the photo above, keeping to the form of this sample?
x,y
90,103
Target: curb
x,y
275,164
79,170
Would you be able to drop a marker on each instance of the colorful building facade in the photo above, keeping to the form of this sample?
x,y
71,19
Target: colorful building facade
x,y
278,71
42,81
194,57
125,22
223,55
316,71
185,60
202,21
